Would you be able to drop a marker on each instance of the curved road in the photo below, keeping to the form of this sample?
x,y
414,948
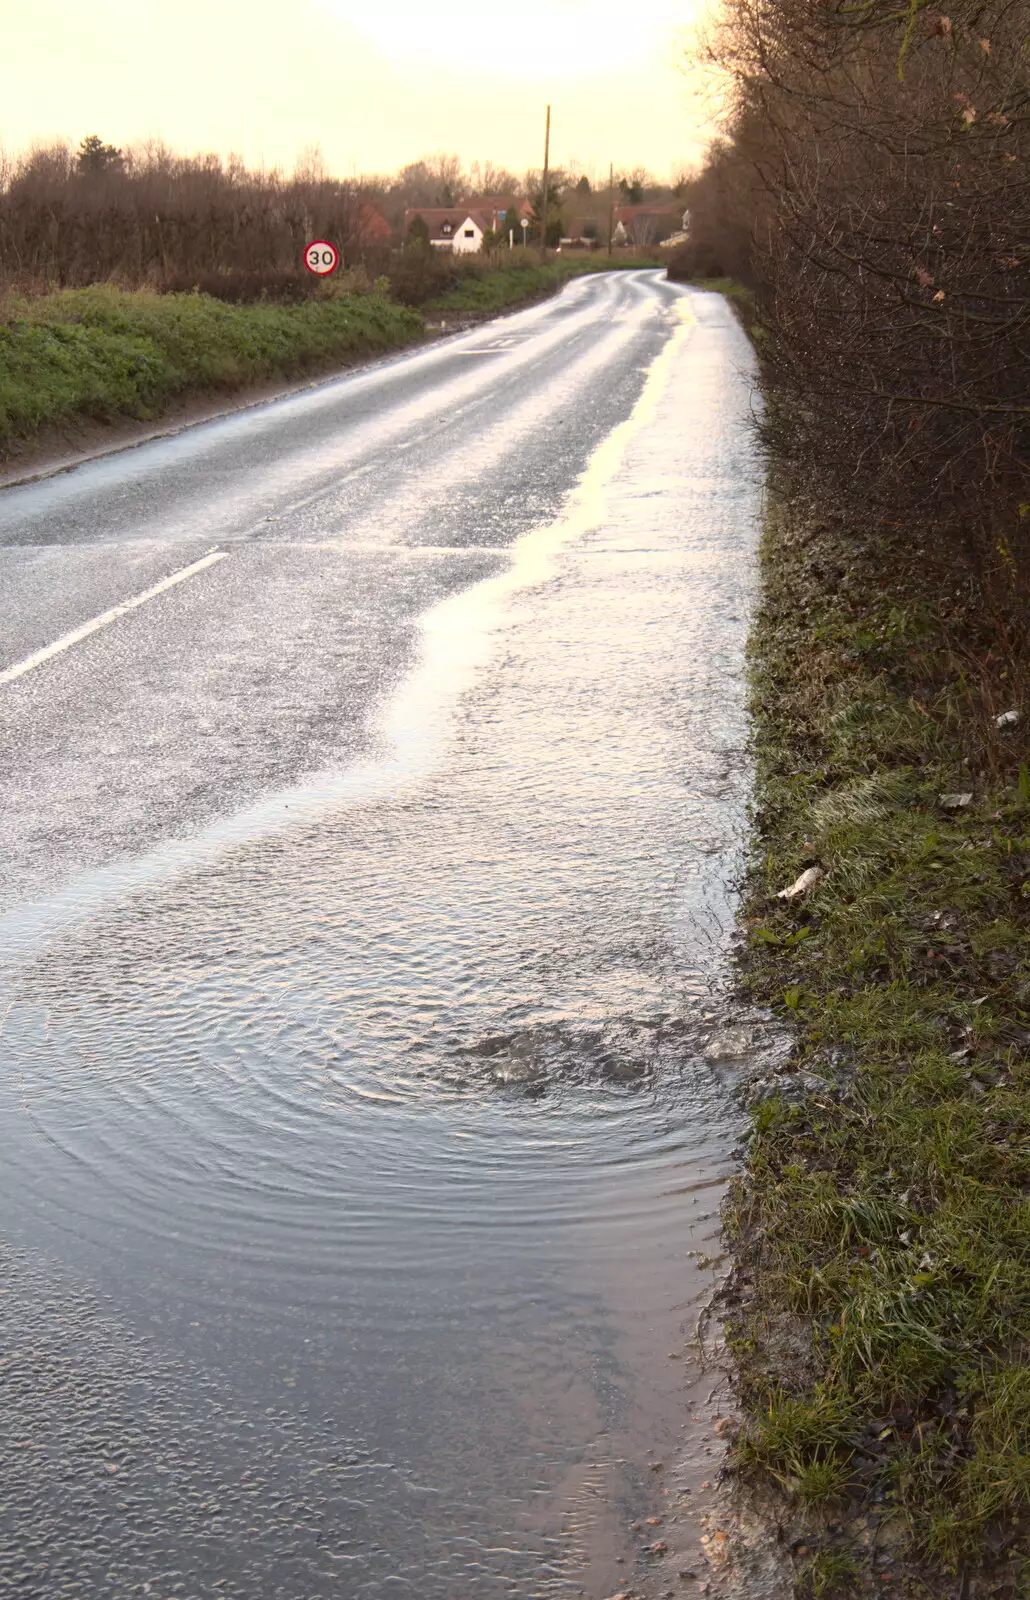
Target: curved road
x,y
372,776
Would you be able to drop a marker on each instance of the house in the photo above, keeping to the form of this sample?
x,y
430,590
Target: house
x,y
585,233
461,228
647,225
631,225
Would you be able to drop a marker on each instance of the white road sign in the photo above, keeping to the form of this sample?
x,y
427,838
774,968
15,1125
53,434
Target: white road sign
x,y
321,257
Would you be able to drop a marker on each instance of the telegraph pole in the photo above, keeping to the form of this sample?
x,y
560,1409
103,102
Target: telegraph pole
x,y
543,203
611,204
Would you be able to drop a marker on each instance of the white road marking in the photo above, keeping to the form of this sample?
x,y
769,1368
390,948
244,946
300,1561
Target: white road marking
x,y
107,617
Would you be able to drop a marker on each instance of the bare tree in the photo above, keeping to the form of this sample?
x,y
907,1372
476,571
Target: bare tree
x,y
875,179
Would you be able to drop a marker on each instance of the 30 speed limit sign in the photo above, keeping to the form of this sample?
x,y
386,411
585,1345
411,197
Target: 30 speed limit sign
x,y
321,257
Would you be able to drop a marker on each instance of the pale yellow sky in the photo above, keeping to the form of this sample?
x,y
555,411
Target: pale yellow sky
x,y
373,83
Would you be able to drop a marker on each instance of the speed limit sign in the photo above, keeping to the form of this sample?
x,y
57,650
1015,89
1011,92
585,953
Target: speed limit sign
x,y
321,257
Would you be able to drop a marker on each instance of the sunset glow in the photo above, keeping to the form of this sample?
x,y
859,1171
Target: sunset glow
x,y
371,87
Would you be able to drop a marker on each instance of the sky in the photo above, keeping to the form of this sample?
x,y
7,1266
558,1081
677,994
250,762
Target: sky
x,y
372,85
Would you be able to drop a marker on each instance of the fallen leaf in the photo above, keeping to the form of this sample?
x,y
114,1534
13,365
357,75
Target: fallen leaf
x,y
717,1548
808,879
955,802
1008,719
654,1522
659,1547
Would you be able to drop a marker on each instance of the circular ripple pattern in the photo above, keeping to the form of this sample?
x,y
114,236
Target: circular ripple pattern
x,y
382,1139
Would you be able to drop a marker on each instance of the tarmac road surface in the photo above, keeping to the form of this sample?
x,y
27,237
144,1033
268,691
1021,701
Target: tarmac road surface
x,y
372,785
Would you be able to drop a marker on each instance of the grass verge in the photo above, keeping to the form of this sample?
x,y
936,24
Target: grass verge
x,y
104,353
879,1311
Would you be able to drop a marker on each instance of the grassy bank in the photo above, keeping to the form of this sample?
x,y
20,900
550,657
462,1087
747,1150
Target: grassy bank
x,y
880,1306
102,353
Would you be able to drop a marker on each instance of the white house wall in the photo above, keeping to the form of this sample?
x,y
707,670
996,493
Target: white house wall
x,y
464,246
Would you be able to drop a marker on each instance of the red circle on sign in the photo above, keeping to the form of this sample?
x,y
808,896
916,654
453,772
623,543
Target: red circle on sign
x,y
320,256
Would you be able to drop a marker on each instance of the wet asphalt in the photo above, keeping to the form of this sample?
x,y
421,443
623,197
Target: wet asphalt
x,y
362,929
346,511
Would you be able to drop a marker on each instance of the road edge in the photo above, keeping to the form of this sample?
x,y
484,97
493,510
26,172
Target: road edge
x,y
53,452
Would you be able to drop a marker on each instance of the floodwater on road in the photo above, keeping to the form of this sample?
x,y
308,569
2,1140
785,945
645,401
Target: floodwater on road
x,y
361,1153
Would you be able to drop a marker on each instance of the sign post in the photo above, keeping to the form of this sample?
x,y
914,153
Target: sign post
x,y
321,257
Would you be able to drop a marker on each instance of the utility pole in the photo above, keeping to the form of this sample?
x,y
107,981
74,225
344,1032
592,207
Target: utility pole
x,y
611,204
543,203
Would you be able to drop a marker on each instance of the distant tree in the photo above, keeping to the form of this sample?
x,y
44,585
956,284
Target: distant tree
x,y
583,186
631,189
415,184
645,230
451,179
310,166
434,181
486,179
557,183
96,156
418,234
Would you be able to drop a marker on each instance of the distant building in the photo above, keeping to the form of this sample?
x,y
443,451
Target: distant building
x,y
631,225
461,228
647,225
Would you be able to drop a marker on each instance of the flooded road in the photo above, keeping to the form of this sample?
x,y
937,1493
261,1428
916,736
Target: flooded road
x,y
361,1154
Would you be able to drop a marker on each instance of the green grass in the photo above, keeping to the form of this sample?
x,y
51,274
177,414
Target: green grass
x,y
882,1227
102,353
830,1575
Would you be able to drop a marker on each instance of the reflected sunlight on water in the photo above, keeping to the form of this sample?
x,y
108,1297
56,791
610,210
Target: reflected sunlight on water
x,y
378,1111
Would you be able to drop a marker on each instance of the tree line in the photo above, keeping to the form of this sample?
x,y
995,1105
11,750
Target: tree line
x,y
147,217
